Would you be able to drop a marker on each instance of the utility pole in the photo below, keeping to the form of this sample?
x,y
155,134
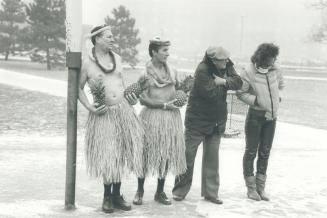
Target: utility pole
x,y
242,34
73,62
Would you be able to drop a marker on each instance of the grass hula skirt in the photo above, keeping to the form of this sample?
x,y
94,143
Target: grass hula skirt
x,y
114,142
165,146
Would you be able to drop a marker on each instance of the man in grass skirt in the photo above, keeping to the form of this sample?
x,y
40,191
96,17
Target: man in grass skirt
x,y
114,136
165,147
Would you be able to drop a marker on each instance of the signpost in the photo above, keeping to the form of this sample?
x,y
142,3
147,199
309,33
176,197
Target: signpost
x,y
73,62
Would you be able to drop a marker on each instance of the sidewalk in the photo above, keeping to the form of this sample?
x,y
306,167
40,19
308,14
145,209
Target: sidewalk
x,y
32,175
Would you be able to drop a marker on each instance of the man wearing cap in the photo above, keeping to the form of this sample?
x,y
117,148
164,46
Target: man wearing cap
x,y
205,121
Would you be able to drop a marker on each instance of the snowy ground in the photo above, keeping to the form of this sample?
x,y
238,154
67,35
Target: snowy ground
x,y
32,177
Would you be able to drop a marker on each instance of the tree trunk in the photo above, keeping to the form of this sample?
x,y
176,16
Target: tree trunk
x,y
7,56
48,59
48,54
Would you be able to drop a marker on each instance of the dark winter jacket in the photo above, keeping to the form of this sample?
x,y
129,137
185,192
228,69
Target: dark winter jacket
x,y
207,108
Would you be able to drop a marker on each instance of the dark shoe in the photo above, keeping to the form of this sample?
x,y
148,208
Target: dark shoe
x,y
120,203
178,198
107,205
252,188
138,199
162,198
213,200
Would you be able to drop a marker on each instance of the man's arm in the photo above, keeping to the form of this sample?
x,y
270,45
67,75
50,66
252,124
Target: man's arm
x,y
206,85
152,103
82,96
233,80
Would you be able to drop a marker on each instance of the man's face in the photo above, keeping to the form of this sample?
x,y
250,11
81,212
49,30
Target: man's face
x,y
105,40
162,54
220,64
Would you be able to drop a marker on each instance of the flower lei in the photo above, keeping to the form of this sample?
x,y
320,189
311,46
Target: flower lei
x,y
102,67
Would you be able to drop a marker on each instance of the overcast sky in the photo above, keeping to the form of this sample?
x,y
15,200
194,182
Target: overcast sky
x,y
194,25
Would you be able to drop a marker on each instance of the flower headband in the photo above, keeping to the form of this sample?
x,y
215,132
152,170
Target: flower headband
x,y
104,28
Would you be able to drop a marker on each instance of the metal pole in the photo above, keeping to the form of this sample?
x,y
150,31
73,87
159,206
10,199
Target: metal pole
x,y
73,62
231,110
242,32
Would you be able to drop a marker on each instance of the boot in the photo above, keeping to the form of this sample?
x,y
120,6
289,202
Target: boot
x,y
107,205
162,198
251,186
138,199
261,182
120,203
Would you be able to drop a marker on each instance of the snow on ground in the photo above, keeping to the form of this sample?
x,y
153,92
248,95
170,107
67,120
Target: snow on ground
x,y
32,177
33,174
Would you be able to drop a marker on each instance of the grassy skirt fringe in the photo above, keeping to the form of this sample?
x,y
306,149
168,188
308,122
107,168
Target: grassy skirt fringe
x,y
114,143
165,146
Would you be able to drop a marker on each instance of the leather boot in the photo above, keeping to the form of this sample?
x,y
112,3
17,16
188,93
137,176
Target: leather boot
x,y
120,203
261,183
107,205
138,199
162,198
252,193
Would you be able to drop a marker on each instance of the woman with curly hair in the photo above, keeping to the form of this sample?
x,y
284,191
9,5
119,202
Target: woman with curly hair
x,y
262,82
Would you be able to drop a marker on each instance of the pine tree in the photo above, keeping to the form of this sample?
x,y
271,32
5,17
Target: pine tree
x,y
319,34
46,33
12,17
125,34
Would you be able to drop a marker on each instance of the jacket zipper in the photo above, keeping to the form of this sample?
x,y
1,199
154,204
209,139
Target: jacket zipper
x,y
272,106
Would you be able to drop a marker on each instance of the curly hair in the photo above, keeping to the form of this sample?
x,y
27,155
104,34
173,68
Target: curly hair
x,y
263,52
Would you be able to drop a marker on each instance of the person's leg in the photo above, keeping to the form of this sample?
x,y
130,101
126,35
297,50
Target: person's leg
x,y
107,205
183,182
253,126
160,196
107,190
267,136
118,200
210,168
138,198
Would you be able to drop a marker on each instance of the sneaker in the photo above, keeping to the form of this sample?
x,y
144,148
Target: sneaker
x,y
138,198
162,198
120,203
213,200
107,205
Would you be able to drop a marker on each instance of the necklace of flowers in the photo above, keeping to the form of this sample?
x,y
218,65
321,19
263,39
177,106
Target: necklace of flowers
x,y
102,67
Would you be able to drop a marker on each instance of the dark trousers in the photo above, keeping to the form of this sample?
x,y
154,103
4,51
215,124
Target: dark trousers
x,y
210,164
259,135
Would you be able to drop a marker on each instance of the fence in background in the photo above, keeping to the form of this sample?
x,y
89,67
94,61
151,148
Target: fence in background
x,y
236,115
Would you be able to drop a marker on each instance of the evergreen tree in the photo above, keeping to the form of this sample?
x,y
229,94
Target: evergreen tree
x,y
320,32
125,34
12,17
46,33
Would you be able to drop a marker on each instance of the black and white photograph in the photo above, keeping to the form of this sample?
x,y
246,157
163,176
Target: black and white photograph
x,y
163,108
